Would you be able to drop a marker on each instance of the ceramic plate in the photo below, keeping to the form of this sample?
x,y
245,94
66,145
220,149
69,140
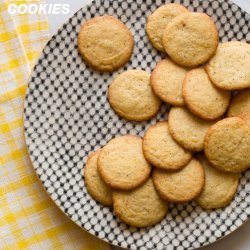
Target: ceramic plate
x,y
67,116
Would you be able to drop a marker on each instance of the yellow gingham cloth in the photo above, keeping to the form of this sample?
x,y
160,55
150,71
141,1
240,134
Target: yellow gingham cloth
x,y
28,217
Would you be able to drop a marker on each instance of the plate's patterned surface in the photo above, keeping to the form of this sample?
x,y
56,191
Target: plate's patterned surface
x,y
67,116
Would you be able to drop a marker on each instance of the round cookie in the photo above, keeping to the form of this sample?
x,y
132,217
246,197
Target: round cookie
x,y
159,19
187,129
227,145
202,97
229,67
105,43
131,96
121,163
181,186
190,39
96,187
219,188
161,150
141,207
166,81
240,103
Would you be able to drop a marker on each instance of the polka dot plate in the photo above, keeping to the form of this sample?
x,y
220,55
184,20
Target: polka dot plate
x,y
67,116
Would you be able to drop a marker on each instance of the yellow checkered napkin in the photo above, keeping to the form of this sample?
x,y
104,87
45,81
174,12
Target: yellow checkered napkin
x,y
28,217
32,30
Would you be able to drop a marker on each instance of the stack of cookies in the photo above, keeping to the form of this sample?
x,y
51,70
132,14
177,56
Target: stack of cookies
x,y
197,154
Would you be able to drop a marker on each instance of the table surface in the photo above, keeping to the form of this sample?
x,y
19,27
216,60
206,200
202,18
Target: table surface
x,y
239,240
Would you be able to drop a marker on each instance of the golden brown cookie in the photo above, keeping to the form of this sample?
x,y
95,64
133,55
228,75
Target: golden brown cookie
x,y
105,43
180,186
131,96
219,188
96,187
240,103
202,97
190,39
141,207
246,117
159,19
187,129
161,150
121,163
227,145
166,81
229,67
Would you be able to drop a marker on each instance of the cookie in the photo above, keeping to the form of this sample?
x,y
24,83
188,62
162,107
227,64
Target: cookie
x,y
105,43
227,145
190,39
246,117
166,81
96,187
229,67
141,207
161,150
158,20
187,129
240,103
181,186
202,97
131,96
219,188
121,163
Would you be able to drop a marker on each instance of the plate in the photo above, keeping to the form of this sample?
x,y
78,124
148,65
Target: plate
x,y
67,116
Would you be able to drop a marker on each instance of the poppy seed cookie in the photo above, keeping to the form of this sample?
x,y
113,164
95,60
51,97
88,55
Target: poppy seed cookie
x,y
227,145
158,20
161,150
166,81
219,188
105,43
131,96
95,185
121,163
202,97
229,67
191,39
187,129
182,185
141,207
240,103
